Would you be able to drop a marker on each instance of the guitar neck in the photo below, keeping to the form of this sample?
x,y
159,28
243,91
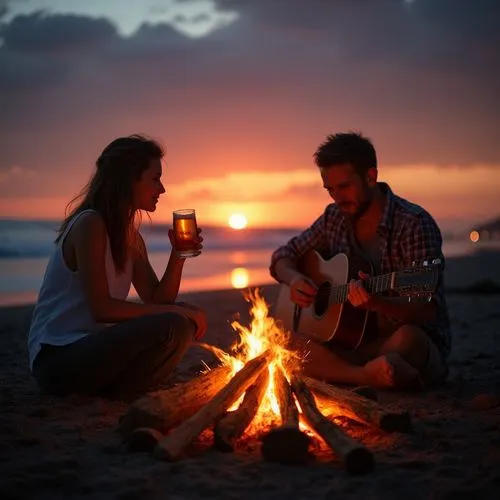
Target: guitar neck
x,y
374,286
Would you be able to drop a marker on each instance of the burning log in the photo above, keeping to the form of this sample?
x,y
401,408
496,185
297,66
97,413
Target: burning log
x,y
163,410
174,443
355,457
233,424
286,443
360,408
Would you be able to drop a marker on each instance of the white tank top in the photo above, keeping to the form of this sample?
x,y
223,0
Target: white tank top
x,y
62,315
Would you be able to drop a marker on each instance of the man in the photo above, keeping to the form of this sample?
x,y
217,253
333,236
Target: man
x,y
412,338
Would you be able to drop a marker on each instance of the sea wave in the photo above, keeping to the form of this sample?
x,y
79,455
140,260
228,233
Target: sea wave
x,y
33,239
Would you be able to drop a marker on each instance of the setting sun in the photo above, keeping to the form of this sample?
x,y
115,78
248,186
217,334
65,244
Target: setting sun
x,y
237,221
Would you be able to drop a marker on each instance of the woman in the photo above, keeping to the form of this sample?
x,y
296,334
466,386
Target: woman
x,y
85,337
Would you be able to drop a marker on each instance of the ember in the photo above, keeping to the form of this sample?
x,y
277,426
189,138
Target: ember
x,y
259,391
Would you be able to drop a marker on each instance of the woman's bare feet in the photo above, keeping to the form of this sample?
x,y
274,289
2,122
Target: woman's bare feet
x,y
391,371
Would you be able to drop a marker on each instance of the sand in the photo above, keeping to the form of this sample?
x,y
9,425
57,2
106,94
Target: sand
x,y
70,448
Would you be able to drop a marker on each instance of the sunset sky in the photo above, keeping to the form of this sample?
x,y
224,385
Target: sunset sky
x,y
241,92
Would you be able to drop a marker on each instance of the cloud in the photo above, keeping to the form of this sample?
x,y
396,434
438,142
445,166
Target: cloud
x,y
251,186
257,95
39,32
307,192
128,20
14,174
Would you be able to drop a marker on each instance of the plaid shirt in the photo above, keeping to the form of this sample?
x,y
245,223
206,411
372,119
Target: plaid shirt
x,y
407,233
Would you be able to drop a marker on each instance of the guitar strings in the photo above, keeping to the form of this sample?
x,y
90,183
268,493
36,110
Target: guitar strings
x,y
371,283
339,292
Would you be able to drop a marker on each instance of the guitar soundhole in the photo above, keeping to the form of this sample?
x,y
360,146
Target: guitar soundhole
x,y
321,302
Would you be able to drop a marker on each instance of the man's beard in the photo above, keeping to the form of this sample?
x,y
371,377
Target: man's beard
x,y
362,208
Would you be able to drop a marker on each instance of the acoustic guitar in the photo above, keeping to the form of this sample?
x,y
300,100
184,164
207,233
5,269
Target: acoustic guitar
x,y
331,317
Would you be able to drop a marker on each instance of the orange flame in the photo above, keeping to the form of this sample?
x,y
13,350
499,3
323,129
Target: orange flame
x,y
263,334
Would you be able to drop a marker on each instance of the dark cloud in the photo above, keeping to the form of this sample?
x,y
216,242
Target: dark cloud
x,y
420,79
39,32
4,7
427,33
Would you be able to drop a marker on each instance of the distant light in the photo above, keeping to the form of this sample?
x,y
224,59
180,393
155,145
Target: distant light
x,y
239,278
237,221
474,236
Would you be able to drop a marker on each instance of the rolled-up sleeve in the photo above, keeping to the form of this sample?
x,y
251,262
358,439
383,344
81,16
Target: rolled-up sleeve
x,y
314,237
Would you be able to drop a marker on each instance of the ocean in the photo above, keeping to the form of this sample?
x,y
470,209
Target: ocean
x,y
230,259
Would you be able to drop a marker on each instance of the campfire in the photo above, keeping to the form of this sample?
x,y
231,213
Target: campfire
x,y
257,390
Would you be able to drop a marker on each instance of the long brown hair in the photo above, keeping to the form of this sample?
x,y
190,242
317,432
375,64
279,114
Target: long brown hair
x,y
109,191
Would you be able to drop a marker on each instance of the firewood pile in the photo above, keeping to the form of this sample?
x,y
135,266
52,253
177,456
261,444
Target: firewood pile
x,y
166,422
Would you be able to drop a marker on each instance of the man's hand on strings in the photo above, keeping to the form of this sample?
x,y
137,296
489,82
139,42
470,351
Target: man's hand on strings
x,y
357,294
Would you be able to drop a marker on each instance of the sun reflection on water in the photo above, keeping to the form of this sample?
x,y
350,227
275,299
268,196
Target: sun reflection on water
x,y
239,277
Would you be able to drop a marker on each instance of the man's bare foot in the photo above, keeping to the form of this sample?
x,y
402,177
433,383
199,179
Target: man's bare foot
x,y
379,373
391,371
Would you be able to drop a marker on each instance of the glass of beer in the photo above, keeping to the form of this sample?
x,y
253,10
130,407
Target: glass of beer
x,y
186,233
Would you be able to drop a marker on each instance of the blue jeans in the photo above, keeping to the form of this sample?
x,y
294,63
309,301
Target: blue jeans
x,y
118,361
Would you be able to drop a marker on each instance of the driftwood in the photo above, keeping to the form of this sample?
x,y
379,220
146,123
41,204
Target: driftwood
x,y
366,391
352,405
163,410
170,447
230,427
354,456
144,439
286,443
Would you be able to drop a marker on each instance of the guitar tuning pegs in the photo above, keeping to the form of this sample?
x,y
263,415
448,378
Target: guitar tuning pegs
x,y
436,262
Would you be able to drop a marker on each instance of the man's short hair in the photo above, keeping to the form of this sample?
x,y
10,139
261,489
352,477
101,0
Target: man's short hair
x,y
349,147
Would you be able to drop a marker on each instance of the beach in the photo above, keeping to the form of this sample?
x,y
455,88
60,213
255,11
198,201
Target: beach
x,y
69,447
364,131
